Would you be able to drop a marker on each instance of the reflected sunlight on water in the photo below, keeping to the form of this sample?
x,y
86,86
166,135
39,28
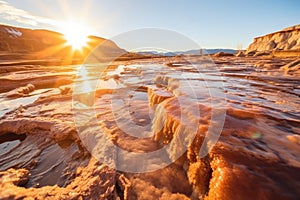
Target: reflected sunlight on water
x,y
9,105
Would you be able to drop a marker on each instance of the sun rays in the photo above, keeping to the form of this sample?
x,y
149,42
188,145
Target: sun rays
x,y
76,34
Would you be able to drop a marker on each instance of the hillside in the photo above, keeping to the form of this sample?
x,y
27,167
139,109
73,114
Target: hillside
x,y
25,43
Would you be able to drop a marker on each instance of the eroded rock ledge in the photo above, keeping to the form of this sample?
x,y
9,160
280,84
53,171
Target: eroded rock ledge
x,y
284,40
239,161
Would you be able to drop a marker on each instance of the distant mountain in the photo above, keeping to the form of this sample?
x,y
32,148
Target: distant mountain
x,y
189,52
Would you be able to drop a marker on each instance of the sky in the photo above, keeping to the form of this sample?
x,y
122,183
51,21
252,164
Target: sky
x,y
210,23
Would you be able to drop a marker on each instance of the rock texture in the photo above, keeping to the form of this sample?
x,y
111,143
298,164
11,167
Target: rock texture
x,y
292,67
287,39
142,108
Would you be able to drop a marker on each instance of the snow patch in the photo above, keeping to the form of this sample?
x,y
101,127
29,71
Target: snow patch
x,y
14,32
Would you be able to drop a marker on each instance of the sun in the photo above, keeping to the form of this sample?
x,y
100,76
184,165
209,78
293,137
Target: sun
x,y
76,34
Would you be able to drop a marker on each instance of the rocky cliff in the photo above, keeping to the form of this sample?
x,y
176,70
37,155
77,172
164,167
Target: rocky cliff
x,y
287,39
18,42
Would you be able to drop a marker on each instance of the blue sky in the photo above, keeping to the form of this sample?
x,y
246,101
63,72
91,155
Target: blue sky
x,y
226,24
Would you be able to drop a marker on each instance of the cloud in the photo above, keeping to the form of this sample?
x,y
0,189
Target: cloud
x,y
11,13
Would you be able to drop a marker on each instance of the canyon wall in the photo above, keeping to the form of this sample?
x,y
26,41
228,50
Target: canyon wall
x,y
287,40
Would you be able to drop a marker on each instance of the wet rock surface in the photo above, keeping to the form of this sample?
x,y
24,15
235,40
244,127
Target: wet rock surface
x,y
58,135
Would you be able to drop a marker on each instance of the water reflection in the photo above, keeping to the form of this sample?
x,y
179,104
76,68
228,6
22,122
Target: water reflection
x,y
9,105
90,79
